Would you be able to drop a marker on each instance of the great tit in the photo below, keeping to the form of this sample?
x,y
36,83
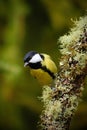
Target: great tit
x,y
41,67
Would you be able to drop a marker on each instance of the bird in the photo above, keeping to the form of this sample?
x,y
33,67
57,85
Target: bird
x,y
42,67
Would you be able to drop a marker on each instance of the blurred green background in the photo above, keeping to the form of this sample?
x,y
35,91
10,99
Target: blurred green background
x,y
32,25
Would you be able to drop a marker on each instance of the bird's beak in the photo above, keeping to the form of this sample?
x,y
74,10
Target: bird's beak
x,y
26,64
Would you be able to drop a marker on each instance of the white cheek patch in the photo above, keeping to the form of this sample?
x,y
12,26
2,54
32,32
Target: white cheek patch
x,y
36,58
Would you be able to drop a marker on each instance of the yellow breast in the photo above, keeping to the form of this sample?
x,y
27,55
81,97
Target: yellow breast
x,y
43,77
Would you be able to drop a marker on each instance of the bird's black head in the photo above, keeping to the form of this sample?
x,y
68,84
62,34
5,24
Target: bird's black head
x,y
29,56
33,60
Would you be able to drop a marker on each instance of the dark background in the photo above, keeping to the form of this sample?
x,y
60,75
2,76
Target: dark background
x,y
32,25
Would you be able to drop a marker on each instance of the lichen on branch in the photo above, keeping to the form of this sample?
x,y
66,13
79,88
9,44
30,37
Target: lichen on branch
x,y
61,100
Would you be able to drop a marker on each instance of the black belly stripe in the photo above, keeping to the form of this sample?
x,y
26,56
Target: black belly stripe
x,y
48,71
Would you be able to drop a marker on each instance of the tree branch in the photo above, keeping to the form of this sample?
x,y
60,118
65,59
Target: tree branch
x,y
61,100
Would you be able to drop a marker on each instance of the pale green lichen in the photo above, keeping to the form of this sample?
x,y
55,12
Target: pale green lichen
x,y
69,110
61,100
81,57
53,108
73,36
46,94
